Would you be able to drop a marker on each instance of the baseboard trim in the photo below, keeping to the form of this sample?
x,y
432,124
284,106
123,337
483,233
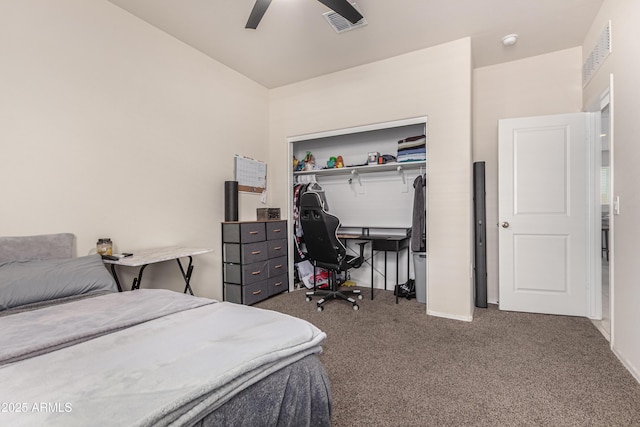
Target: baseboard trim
x,y
598,324
450,316
632,369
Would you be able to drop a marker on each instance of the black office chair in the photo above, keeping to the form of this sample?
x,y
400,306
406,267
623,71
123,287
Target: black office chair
x,y
325,250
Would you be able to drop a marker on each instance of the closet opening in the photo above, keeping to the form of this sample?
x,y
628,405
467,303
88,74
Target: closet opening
x,y
370,177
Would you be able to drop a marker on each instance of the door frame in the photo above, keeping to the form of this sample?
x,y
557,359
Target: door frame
x,y
594,263
600,103
291,140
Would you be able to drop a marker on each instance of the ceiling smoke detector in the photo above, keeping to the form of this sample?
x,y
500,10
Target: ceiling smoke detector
x,y
340,24
510,39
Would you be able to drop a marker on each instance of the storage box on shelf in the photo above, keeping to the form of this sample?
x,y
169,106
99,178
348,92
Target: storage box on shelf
x,y
254,257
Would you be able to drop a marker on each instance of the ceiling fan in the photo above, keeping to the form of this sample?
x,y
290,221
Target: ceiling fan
x,y
341,7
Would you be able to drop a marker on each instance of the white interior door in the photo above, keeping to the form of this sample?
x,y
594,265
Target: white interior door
x,y
544,202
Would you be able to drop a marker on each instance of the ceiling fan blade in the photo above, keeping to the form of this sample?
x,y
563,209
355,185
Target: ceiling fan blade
x,y
344,9
259,8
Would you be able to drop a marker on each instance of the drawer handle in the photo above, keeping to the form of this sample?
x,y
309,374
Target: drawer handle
x,y
277,248
276,230
255,273
256,292
278,284
253,232
255,252
278,266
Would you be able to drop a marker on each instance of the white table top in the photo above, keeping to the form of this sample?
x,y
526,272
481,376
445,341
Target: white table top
x,y
151,256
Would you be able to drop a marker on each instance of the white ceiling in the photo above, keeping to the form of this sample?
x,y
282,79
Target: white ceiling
x,y
294,42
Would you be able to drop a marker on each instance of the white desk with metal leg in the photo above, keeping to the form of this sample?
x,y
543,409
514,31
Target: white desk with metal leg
x,y
143,258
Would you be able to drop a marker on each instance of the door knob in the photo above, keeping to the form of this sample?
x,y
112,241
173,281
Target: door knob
x,y
505,224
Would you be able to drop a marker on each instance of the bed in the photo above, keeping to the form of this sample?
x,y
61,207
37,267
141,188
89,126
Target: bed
x,y
74,351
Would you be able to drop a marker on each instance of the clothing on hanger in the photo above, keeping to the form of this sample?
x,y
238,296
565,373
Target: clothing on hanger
x,y
298,190
418,226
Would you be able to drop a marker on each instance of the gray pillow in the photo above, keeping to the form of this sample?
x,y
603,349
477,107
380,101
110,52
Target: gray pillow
x,y
44,246
27,282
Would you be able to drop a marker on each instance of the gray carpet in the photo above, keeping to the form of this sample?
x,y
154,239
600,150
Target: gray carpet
x,y
392,365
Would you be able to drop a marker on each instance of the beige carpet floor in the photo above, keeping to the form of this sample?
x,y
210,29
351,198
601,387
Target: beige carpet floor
x,y
392,365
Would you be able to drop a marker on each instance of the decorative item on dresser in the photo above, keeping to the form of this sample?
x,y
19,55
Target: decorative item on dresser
x,y
254,257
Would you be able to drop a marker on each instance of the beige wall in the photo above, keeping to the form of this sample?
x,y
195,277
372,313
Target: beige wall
x,y
434,82
540,85
110,127
624,64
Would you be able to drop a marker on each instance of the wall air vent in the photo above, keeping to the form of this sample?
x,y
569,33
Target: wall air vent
x,y
340,24
597,56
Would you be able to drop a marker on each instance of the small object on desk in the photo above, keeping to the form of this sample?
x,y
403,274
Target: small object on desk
x,y
117,257
104,246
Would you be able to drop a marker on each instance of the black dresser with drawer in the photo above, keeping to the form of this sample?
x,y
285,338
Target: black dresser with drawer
x,y
254,260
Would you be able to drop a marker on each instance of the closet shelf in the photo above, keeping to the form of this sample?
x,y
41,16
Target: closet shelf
x,y
365,169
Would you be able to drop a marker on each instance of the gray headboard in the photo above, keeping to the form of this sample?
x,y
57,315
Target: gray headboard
x,y
46,246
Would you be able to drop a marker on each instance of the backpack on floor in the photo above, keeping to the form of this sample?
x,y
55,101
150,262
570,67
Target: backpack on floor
x,y
406,290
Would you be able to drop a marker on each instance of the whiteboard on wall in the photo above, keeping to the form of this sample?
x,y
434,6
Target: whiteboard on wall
x,y
251,174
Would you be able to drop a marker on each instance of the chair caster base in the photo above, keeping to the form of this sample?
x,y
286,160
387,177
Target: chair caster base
x,y
326,296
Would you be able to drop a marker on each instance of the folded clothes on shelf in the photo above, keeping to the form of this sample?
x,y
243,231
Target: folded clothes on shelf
x,y
412,142
412,149
412,158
